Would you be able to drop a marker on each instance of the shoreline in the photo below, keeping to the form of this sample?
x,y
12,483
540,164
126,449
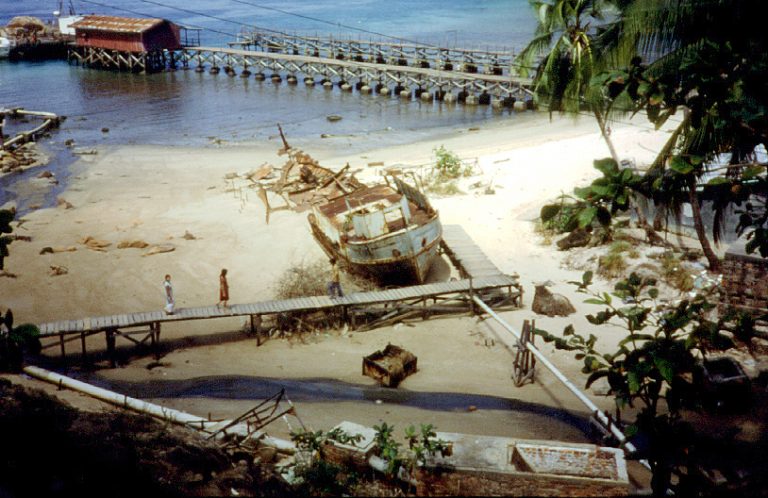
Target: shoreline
x,y
158,195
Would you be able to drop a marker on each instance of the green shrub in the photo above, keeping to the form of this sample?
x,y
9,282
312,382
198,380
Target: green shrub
x,y
448,164
560,218
674,272
613,264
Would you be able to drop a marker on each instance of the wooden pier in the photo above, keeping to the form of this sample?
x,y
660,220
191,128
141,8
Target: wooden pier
x,y
404,70
430,82
363,308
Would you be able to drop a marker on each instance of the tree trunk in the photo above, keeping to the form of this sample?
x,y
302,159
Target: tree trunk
x,y
698,224
601,122
658,164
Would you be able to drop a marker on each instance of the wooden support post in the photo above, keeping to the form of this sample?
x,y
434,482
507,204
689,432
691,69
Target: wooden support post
x,y
82,344
110,337
471,298
256,328
156,341
61,346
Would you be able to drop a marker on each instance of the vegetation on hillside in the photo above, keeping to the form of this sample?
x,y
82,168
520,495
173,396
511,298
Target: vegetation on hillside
x,y
700,68
703,63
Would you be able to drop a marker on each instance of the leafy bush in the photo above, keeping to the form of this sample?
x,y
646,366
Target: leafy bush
x,y
448,164
420,445
653,363
320,477
16,341
560,218
448,168
598,202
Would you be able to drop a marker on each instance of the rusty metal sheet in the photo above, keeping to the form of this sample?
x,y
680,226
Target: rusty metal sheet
x,y
116,24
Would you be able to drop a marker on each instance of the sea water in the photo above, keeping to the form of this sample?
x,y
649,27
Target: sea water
x,y
189,108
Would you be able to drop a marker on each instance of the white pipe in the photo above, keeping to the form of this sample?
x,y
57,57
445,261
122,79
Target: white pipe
x,y
140,406
172,415
597,412
121,400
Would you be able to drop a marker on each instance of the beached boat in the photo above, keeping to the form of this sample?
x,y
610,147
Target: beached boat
x,y
388,232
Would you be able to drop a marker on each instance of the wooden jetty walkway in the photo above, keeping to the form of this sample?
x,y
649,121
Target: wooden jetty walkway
x,y
466,255
380,78
496,288
427,73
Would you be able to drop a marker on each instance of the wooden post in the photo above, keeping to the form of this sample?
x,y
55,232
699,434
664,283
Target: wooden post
x,y
156,342
82,344
471,298
61,346
256,328
110,337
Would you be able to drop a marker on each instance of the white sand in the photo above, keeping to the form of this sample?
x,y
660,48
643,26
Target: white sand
x,y
156,194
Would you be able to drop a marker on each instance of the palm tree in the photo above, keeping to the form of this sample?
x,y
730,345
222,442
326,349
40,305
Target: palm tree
x,y
708,59
564,41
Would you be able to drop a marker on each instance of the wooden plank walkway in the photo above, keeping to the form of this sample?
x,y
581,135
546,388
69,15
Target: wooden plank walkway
x,y
467,256
95,324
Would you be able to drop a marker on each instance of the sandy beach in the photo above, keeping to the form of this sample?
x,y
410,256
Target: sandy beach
x,y
160,194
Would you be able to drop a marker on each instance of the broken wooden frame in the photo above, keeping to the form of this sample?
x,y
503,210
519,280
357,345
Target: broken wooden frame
x,y
525,363
258,417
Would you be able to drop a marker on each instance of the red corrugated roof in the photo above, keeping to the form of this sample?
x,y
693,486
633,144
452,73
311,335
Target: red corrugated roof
x,y
117,24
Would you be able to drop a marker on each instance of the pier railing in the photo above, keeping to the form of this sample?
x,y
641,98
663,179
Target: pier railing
x,y
497,62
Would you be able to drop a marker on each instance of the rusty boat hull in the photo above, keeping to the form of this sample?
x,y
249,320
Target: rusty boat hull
x,y
389,234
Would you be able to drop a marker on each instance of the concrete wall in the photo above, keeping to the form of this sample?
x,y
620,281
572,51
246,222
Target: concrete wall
x,y
487,465
745,279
